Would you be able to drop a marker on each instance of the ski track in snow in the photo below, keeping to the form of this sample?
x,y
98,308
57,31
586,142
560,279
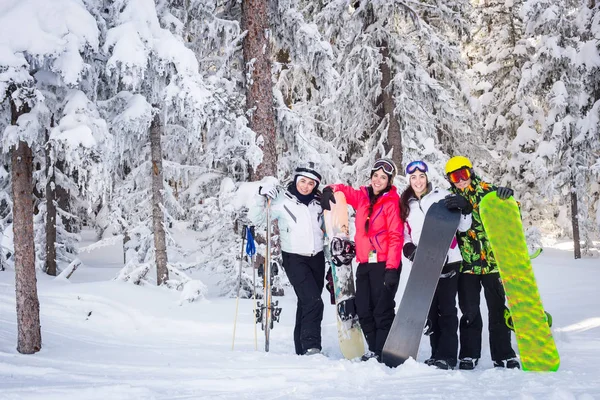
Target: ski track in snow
x,y
139,343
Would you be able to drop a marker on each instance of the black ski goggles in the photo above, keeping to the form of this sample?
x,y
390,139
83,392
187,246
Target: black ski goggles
x,y
385,165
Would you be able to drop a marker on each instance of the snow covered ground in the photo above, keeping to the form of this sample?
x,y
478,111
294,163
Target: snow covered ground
x,y
104,339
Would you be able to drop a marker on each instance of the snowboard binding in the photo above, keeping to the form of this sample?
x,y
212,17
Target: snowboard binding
x,y
509,322
274,270
342,251
275,291
260,313
346,309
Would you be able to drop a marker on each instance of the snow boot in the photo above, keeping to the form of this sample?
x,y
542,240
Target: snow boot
x,y
442,364
468,363
511,363
312,351
368,355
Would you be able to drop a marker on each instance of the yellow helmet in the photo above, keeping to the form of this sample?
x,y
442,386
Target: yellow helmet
x,y
456,163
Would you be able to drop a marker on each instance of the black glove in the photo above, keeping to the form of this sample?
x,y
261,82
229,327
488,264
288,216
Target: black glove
x,y
409,250
428,328
327,198
457,202
329,285
504,192
391,278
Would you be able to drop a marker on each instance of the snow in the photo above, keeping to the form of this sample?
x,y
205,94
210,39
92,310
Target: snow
x,y
137,108
525,137
75,135
588,54
547,149
10,59
428,147
139,34
75,128
59,30
128,52
480,67
109,339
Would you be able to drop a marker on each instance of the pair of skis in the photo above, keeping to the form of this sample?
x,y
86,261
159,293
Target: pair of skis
x,y
267,312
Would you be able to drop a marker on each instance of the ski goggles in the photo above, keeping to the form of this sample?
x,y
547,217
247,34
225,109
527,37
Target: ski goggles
x,y
416,165
309,173
387,167
462,174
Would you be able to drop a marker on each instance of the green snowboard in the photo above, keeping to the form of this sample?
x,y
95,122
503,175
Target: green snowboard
x,y
502,222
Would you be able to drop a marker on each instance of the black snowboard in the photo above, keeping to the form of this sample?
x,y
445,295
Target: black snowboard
x,y
405,334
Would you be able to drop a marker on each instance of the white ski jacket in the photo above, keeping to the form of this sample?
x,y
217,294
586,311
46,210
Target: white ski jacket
x,y
413,226
300,226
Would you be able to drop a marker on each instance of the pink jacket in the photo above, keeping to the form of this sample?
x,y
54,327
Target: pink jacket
x,y
386,229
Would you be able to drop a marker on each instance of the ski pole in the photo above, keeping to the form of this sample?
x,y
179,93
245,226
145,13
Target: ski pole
x,y
267,280
254,300
237,300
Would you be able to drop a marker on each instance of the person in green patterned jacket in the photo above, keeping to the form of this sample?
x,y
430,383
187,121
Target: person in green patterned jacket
x,y
479,269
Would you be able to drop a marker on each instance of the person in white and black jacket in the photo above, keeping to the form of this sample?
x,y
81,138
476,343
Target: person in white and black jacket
x,y
300,217
442,324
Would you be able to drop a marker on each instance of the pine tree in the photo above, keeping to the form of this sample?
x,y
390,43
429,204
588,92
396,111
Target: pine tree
x,y
553,79
305,85
77,140
496,54
57,49
589,31
152,88
397,63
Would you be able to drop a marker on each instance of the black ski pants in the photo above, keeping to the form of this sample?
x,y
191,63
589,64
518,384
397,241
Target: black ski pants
x,y
374,304
443,316
471,323
307,276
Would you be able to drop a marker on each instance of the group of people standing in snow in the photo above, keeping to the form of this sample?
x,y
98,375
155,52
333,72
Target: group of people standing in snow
x,y
388,225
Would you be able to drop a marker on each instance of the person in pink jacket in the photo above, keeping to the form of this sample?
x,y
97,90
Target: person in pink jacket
x,y
379,240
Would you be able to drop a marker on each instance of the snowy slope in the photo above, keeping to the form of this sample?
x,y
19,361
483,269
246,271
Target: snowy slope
x,y
104,339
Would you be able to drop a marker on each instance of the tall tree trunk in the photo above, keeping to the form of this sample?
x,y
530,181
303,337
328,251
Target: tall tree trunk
x,y
575,220
50,209
259,92
158,226
259,84
126,239
386,106
29,339
63,198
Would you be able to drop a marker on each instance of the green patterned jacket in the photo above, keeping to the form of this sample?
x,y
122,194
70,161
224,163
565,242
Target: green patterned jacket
x,y
474,244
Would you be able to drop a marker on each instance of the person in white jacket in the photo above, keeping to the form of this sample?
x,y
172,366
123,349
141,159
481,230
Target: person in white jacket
x,y
442,323
300,218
